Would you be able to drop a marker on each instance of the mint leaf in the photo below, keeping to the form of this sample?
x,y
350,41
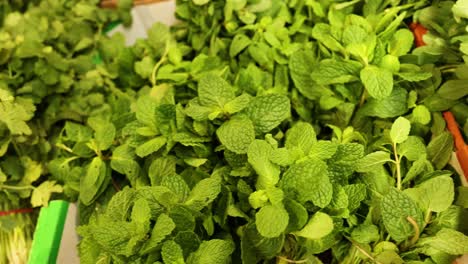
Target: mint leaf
x,y
212,251
150,146
236,135
299,178
396,207
172,253
370,161
268,111
439,149
401,42
203,193
163,227
90,184
259,158
271,221
319,226
41,194
365,233
436,194
449,241
301,135
377,81
214,91
400,130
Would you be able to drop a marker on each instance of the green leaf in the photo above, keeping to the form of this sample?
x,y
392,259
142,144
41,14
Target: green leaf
x,y
377,81
440,149
301,135
412,148
396,207
96,174
150,146
323,149
163,227
259,158
401,43
300,178
203,193
236,135
421,115
212,251
41,194
298,215
144,68
391,106
268,111
449,241
331,71
238,44
453,89
355,193
104,133
372,160
237,104
214,91
172,253
271,221
365,233
400,130
319,226
436,194
123,161
15,115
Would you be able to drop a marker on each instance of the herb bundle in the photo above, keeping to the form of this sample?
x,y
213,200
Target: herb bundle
x,y
254,131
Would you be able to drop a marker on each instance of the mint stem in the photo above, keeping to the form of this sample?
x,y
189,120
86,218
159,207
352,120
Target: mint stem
x,y
398,168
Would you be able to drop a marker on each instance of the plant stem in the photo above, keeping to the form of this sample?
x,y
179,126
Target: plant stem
x,y
398,168
365,253
427,218
284,259
16,188
415,225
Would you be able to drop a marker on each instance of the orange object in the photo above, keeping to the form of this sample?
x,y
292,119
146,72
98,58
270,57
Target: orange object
x,y
418,31
460,145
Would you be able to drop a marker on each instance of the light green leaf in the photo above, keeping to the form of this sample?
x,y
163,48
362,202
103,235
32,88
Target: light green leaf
x,y
300,178
90,184
301,135
421,115
237,104
370,161
271,221
204,192
400,130
236,135
214,91
268,111
172,253
163,227
365,233
440,149
259,158
41,194
212,251
319,226
150,146
377,81
449,241
401,43
396,207
412,148
436,194
123,161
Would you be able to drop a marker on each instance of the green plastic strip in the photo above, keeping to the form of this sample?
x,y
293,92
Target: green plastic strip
x,y
48,234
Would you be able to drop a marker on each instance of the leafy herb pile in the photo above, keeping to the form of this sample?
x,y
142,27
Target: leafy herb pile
x,y
253,131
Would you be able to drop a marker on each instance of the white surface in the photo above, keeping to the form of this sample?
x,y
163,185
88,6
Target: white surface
x,y
68,253
144,17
